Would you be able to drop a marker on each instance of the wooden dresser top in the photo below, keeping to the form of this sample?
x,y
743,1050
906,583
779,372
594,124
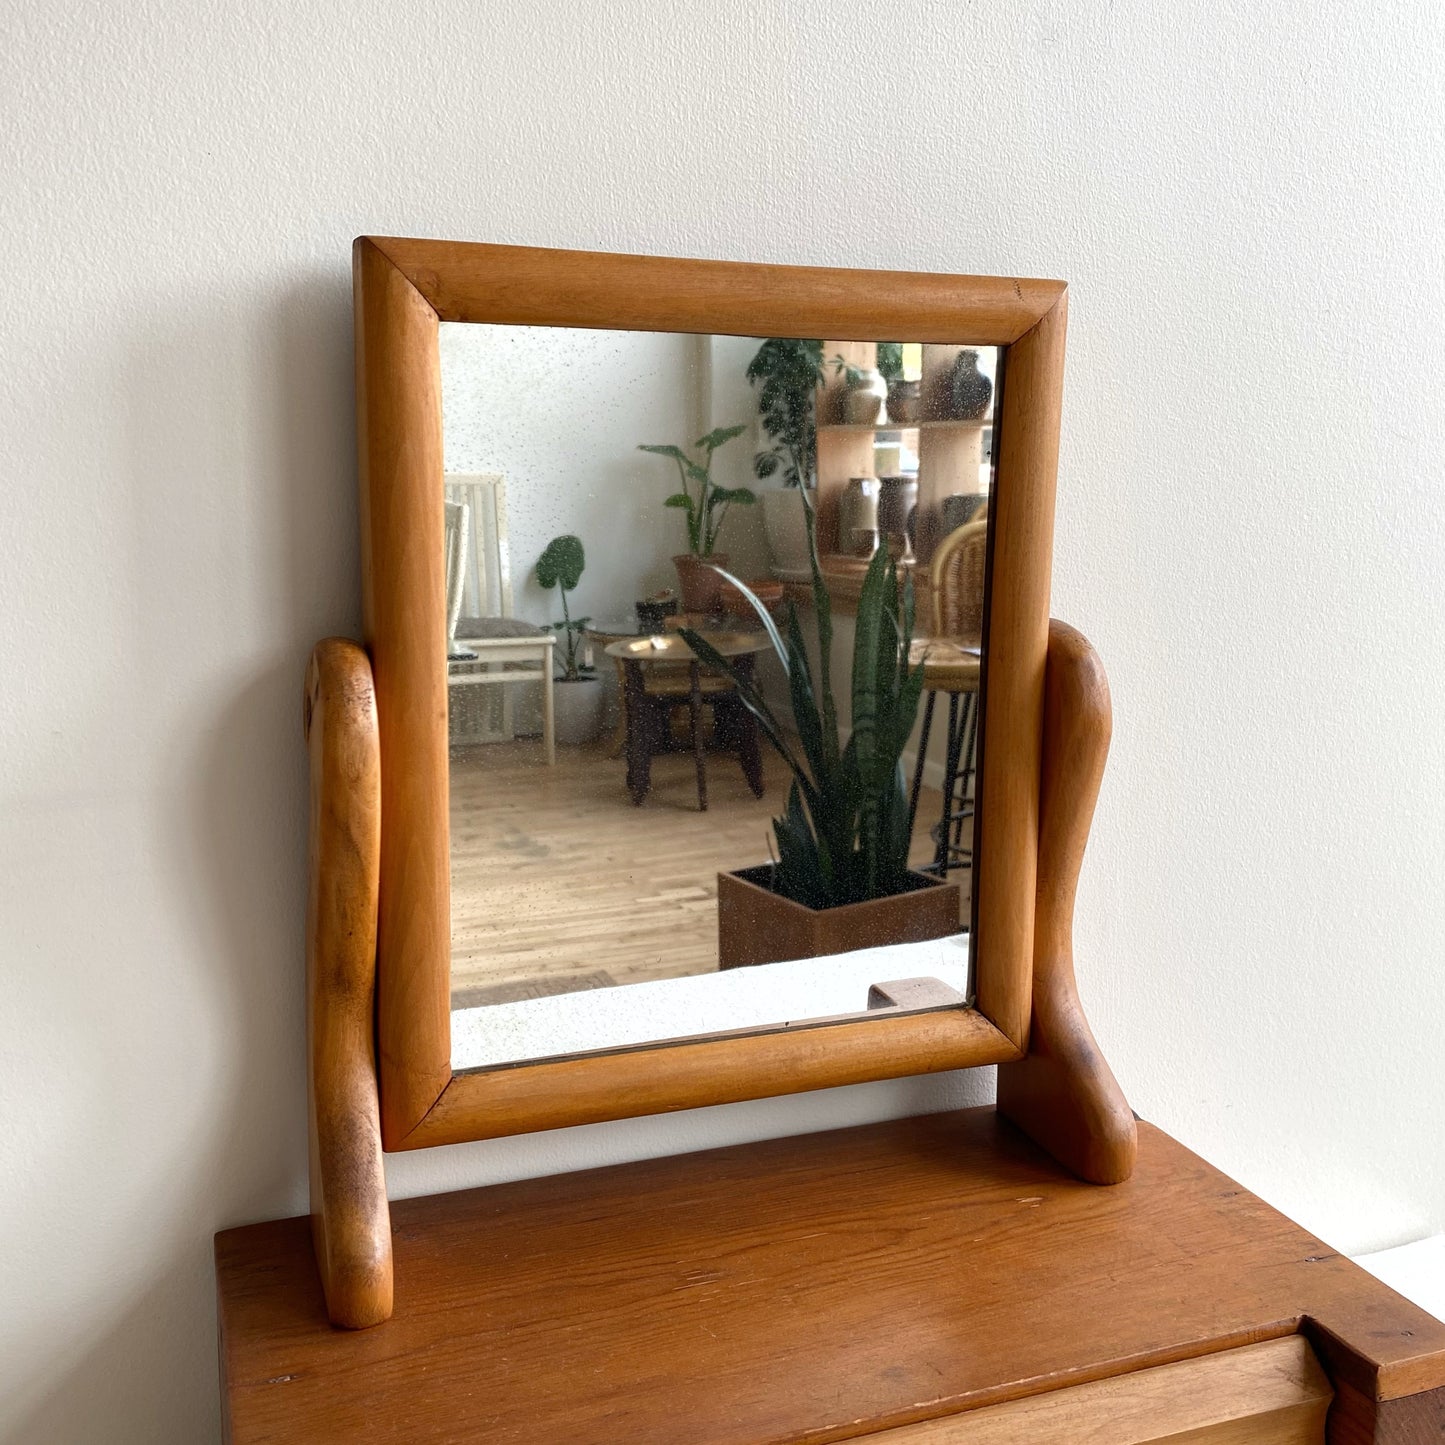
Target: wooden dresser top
x,y
805,1289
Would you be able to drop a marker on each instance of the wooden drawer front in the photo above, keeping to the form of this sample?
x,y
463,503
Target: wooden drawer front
x,y
1269,1394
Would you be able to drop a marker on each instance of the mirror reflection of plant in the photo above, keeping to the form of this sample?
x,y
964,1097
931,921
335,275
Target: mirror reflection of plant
x,y
889,365
788,374
560,566
890,360
708,509
844,837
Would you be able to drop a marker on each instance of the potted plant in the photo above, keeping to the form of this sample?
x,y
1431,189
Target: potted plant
x,y
577,696
904,393
864,392
706,510
787,373
841,879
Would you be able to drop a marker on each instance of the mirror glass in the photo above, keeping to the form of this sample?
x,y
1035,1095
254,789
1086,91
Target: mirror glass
x,y
677,807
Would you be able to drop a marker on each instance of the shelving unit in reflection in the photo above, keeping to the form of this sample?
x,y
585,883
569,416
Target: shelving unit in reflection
x,y
951,457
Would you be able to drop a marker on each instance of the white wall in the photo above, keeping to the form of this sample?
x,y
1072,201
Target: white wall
x,y
1247,201
560,414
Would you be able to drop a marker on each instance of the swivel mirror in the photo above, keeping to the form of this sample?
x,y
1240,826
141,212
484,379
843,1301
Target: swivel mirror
x,y
707,606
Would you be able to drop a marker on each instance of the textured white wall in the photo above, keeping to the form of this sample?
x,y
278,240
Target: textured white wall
x,y
1247,201
560,414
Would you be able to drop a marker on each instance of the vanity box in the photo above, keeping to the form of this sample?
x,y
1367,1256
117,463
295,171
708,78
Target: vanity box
x,y
1047,1268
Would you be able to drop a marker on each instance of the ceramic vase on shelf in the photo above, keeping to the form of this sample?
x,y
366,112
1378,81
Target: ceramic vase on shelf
x,y
699,582
863,399
972,390
897,504
858,517
905,403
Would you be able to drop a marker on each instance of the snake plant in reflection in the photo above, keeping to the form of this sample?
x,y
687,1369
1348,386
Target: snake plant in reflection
x,y
844,835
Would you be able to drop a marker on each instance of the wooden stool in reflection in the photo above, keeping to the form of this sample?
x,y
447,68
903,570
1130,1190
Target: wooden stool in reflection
x,y
660,673
951,661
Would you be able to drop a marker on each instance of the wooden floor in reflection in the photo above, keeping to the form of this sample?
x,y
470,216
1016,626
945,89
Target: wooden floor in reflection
x,y
559,883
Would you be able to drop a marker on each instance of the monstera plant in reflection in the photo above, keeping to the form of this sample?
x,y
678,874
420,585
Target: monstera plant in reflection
x,y
579,694
841,879
706,505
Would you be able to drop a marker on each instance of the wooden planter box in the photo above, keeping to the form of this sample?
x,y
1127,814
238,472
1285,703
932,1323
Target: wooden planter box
x,y
756,925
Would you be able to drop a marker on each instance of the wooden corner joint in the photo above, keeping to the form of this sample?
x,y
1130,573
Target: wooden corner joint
x,y
1063,1094
351,1224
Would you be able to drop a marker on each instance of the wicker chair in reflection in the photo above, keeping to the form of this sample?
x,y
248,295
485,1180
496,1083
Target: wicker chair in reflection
x,y
951,660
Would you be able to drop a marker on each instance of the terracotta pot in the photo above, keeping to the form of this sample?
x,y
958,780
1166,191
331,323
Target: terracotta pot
x,y
756,925
765,589
698,581
897,513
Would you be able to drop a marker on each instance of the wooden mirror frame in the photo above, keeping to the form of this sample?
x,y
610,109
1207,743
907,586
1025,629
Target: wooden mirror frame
x,y
403,289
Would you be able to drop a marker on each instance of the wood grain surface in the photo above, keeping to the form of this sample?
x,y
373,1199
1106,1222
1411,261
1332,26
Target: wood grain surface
x,y
1272,1393
1016,636
1064,1094
350,1224
526,286
399,444
695,1073
796,1290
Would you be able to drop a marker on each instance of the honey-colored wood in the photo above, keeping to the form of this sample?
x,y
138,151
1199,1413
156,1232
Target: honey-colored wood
x,y
526,286
807,1289
692,1074
1273,1393
1064,1094
399,433
351,1228
402,288
1021,540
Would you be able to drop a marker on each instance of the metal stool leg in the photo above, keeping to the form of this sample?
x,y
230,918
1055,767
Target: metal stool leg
x,y
957,855
922,755
950,779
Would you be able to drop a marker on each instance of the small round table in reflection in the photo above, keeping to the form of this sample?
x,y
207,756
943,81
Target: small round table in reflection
x,y
602,635
662,671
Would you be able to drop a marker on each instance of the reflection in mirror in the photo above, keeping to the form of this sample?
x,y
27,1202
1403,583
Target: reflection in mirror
x,y
684,802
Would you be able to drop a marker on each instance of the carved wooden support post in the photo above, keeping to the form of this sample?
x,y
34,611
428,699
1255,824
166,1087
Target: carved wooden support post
x,y
1063,1095
350,1222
